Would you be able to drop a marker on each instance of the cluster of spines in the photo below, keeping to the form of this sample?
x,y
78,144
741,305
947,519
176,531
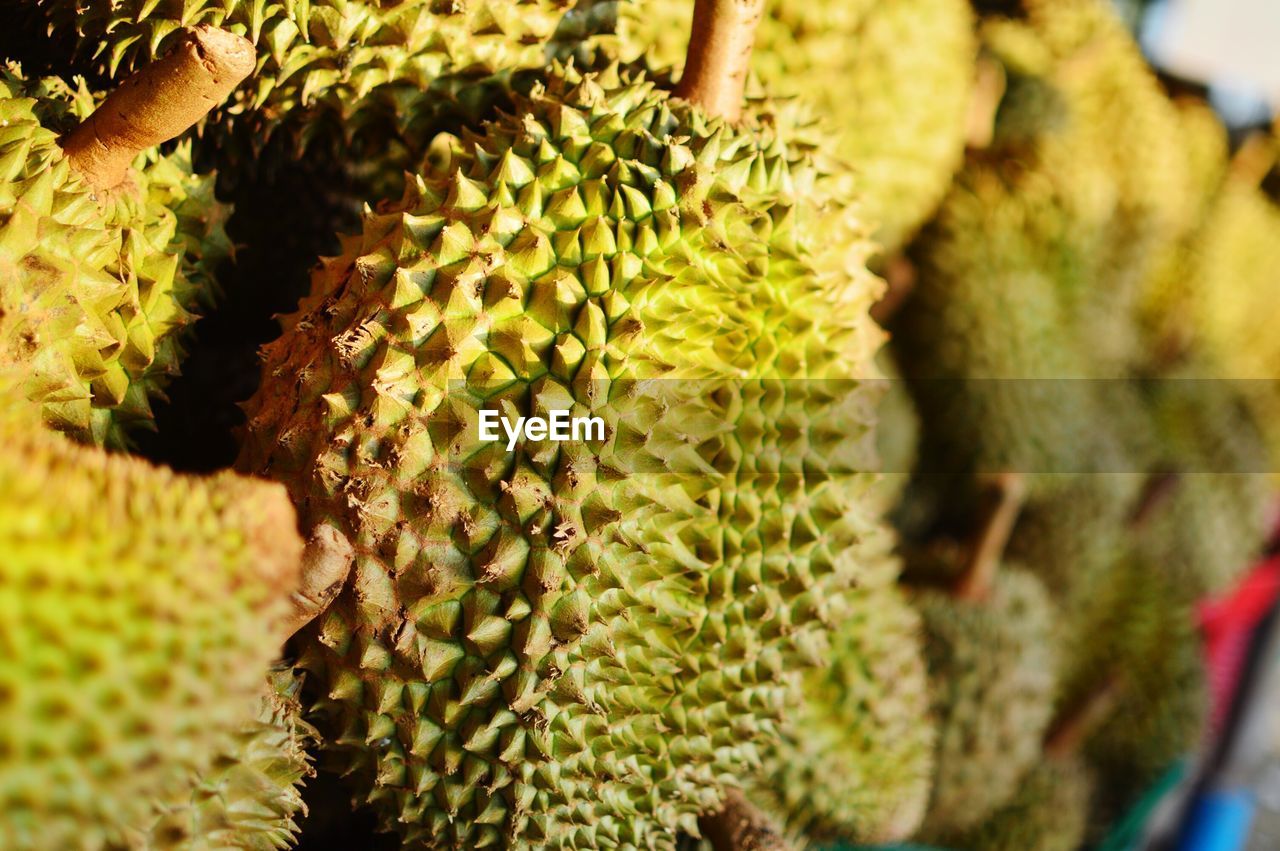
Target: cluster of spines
x,y
354,70
483,645
107,285
143,607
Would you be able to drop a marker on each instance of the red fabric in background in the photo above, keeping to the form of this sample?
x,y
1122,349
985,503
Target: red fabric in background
x,y
1227,624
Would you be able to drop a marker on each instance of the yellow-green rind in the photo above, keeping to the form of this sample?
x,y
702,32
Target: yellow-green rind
x,y
992,674
251,795
1084,109
1237,283
986,344
1050,812
142,612
855,761
352,72
105,288
1169,298
571,644
892,81
1217,518
1028,276
1146,642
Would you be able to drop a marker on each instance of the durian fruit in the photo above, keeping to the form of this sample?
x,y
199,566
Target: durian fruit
x,y
1076,533
985,342
1049,812
855,761
1167,307
572,645
1084,110
251,795
350,72
1129,635
141,615
989,631
1052,808
1144,638
992,666
893,81
1218,516
105,275
1237,282
1027,276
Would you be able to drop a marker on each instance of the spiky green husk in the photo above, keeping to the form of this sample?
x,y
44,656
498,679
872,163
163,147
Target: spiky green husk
x,y
1167,306
1075,534
992,673
892,80
1233,302
1073,539
985,343
141,612
1218,516
569,645
105,288
1142,636
1050,812
351,72
251,794
1085,110
898,429
1031,267
855,759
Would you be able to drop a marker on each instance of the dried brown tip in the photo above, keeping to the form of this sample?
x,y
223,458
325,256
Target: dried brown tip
x,y
719,55
326,562
900,276
988,548
740,826
158,103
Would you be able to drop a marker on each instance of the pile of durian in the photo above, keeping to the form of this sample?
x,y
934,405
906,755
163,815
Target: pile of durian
x,y
932,342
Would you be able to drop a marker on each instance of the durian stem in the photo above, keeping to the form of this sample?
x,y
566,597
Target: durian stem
x,y
1158,489
1256,157
990,84
158,103
719,55
326,562
1067,735
740,826
993,537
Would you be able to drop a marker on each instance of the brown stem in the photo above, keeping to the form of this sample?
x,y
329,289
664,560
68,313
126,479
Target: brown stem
x,y
993,537
1157,490
740,826
158,103
1067,735
715,69
326,561
1255,158
990,84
